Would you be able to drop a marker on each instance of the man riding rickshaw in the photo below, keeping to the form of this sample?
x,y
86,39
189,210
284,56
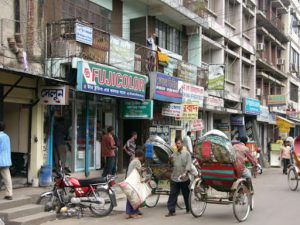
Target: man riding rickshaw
x,y
222,169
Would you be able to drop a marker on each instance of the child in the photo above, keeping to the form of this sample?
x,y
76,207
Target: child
x,y
134,164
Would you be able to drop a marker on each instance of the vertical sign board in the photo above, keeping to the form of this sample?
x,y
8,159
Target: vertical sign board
x,y
106,80
121,53
84,34
165,88
216,77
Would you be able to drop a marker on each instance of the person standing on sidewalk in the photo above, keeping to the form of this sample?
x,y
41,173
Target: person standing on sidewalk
x,y
108,147
188,142
182,162
5,161
130,146
285,155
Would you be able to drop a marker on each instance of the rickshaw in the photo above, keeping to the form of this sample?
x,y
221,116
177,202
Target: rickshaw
x,y
294,169
158,170
220,181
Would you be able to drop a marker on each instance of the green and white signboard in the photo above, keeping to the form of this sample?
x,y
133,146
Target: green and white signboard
x,y
216,77
137,109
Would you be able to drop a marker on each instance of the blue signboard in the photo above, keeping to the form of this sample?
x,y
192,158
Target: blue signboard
x,y
251,106
166,88
237,120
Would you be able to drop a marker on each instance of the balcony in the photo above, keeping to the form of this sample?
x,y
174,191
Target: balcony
x,y
63,46
273,24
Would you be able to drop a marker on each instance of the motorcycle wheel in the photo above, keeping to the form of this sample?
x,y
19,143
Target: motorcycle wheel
x,y
104,208
50,202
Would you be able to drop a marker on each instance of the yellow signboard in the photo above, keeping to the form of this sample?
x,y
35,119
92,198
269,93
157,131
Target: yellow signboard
x,y
284,124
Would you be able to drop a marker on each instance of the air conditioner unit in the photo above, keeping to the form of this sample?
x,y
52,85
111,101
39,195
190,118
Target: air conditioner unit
x,y
258,91
260,46
280,61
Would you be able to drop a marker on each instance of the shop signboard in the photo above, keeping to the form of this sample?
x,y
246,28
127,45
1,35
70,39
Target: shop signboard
x,y
277,100
264,114
237,120
121,53
137,109
172,110
196,125
216,77
224,127
272,118
192,93
84,34
251,106
189,111
214,101
165,88
54,95
106,80
187,72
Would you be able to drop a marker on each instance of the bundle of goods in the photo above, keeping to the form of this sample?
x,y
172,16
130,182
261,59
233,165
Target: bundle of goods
x,y
214,146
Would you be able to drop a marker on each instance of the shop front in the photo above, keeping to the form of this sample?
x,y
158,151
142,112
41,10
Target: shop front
x,y
93,105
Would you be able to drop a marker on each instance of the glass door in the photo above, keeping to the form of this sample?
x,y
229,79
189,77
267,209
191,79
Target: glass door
x,y
85,111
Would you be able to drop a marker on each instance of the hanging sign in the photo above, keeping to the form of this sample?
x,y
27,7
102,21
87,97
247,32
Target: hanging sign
x,y
251,106
106,80
137,109
276,100
196,125
165,88
189,111
172,110
54,95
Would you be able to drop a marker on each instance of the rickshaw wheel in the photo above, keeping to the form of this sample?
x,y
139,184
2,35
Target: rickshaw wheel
x,y
293,179
152,200
241,202
197,201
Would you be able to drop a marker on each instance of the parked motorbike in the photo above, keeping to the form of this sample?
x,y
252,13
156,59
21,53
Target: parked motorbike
x,y
71,195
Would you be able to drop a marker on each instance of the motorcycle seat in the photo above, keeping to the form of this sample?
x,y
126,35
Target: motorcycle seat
x,y
97,180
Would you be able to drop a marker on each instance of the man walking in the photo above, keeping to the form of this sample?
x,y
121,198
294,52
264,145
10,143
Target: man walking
x,y
108,147
5,161
181,161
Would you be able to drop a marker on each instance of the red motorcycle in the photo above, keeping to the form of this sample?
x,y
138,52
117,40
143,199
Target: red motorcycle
x,y
71,195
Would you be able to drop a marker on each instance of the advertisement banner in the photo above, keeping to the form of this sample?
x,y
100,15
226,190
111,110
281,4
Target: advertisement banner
x,y
237,120
121,53
137,109
277,100
189,111
192,93
172,110
216,77
84,34
165,88
54,95
196,125
251,106
187,72
106,80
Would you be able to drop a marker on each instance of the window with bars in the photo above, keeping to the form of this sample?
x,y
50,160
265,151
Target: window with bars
x,y
168,37
294,92
87,11
246,75
294,60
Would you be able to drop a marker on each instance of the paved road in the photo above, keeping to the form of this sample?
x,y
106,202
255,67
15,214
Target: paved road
x,y
274,204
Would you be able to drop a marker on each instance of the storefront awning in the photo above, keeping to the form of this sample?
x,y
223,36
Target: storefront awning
x,y
297,122
284,124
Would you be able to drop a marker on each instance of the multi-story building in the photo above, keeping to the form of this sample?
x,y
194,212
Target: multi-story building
x,y
229,41
272,65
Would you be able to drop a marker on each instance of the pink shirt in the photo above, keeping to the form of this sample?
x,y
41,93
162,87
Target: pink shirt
x,y
285,152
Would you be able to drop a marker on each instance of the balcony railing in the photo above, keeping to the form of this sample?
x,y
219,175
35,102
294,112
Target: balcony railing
x,y
61,43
